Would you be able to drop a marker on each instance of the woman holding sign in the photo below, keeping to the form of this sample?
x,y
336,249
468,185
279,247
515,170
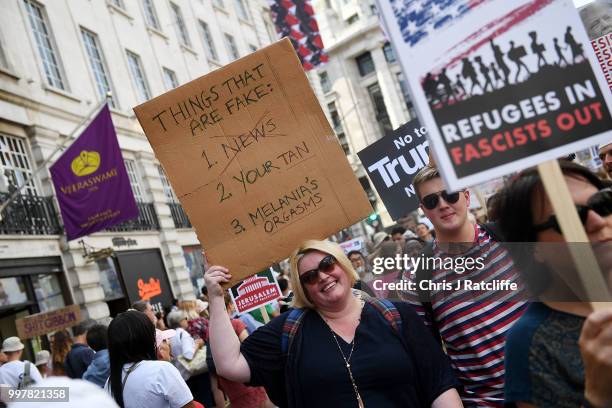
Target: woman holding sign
x,y
336,348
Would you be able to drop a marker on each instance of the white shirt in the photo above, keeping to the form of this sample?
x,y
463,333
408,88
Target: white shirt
x,y
182,344
154,384
12,373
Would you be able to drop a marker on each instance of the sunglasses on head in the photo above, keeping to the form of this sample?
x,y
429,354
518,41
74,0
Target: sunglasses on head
x,y
326,265
600,202
431,201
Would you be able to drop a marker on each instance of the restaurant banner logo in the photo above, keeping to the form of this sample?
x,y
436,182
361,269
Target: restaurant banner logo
x,y
92,185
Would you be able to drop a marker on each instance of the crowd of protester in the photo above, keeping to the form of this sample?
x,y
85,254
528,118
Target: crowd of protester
x,y
337,339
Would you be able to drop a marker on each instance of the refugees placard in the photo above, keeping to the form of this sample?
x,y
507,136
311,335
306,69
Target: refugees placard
x,y
392,162
500,85
255,292
253,160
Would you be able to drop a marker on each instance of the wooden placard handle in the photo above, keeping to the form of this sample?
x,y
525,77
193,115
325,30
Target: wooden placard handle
x,y
561,200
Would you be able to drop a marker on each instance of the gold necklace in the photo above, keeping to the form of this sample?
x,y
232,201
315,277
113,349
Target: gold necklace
x,y
347,360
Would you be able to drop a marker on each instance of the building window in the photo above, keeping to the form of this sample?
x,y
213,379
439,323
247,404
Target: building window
x,y
272,35
150,14
98,65
181,28
196,265
109,279
138,77
380,109
16,167
326,85
168,191
242,10
45,44
337,125
404,88
118,3
130,167
209,44
48,292
3,60
389,54
170,79
353,19
230,43
365,64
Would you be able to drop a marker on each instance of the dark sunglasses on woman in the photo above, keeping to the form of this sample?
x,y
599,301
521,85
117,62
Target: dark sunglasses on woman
x,y
431,201
600,202
326,265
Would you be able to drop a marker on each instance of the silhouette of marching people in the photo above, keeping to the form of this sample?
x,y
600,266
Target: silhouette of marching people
x,y
442,89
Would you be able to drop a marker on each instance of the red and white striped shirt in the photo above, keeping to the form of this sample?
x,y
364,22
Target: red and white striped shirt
x,y
473,324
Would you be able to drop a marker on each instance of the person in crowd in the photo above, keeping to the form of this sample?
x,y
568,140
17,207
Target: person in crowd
x,y
137,379
146,308
354,349
397,234
204,297
17,373
377,241
413,247
41,361
80,355
197,325
388,249
543,363
60,347
246,318
423,232
80,394
162,341
471,325
99,369
160,323
2,358
285,301
596,350
183,344
239,395
605,154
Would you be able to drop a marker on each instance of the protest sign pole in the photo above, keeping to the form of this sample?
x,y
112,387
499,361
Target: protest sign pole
x,y
563,205
264,314
57,149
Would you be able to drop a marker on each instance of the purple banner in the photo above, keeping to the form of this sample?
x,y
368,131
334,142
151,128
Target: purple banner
x,y
91,183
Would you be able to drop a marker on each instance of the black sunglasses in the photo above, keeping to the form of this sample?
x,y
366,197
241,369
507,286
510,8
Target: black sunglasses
x,y
326,265
431,201
600,202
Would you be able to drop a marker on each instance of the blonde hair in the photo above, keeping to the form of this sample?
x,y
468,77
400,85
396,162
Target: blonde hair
x,y
425,174
300,299
189,307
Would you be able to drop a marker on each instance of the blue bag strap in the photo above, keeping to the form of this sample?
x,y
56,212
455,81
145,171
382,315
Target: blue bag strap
x,y
290,328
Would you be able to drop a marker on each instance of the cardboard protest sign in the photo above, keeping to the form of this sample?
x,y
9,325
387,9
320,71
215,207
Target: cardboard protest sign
x,y
392,162
255,292
253,160
498,86
48,322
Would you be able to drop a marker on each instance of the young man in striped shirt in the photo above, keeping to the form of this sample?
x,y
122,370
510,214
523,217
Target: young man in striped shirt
x,y
471,324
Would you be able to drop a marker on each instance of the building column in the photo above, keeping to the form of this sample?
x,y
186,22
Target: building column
x,y
393,101
83,278
172,252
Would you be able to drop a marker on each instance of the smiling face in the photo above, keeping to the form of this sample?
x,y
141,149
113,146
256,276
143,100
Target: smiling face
x,y
446,217
331,288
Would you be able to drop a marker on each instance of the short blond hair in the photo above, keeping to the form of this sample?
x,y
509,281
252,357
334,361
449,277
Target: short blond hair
x,y
300,299
425,174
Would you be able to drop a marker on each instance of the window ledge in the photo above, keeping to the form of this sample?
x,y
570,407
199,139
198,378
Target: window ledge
x,y
222,10
247,22
155,31
119,10
120,113
61,92
187,48
10,73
